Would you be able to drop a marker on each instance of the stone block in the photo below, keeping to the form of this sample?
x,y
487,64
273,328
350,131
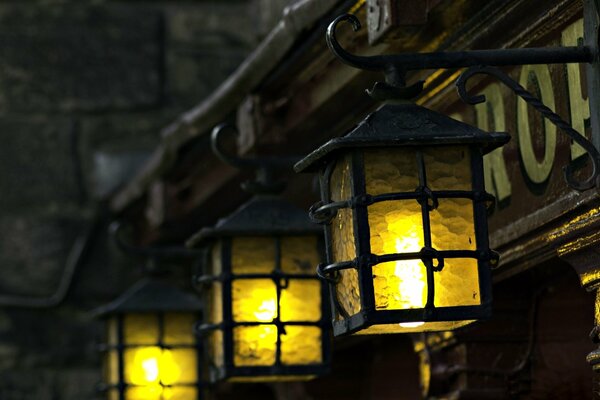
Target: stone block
x,y
38,163
75,57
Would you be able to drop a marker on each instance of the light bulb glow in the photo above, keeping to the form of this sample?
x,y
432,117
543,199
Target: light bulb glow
x,y
266,311
150,369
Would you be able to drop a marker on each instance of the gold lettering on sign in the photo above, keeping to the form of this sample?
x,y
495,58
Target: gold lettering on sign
x,y
496,174
580,106
537,171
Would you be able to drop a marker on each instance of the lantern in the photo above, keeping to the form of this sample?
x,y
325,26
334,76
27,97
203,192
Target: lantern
x,y
404,209
264,318
151,352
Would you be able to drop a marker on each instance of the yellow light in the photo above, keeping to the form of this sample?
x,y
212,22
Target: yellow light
x,y
267,309
150,368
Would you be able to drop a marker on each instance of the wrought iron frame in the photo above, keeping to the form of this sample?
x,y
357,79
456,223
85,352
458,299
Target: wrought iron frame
x,y
395,68
151,298
227,326
266,216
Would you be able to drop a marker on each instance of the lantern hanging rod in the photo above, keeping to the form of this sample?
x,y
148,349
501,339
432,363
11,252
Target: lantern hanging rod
x,y
150,252
264,166
478,62
396,65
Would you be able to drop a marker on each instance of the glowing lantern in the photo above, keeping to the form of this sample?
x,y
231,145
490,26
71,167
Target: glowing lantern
x,y
151,351
264,316
404,209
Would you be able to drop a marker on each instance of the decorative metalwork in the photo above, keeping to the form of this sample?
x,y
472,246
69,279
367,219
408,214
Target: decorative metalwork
x,y
415,132
266,320
396,66
150,348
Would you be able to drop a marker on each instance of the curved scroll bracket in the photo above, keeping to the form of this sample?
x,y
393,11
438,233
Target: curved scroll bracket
x,y
264,167
591,181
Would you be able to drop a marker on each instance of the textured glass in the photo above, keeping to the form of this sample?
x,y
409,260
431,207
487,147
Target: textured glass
x,y
254,300
140,328
252,255
301,301
179,328
299,254
158,392
457,284
390,170
215,340
187,366
111,367
342,235
301,345
396,227
216,303
413,327
254,345
452,225
448,168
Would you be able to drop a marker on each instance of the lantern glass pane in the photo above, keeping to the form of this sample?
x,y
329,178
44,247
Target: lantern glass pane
x,y
152,392
140,329
179,328
301,301
142,365
299,254
342,236
254,345
448,168
301,345
390,170
452,225
111,367
457,284
180,393
254,300
179,366
250,255
113,394
397,227
215,348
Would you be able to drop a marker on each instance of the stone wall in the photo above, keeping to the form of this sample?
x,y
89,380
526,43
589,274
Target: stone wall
x,y
85,87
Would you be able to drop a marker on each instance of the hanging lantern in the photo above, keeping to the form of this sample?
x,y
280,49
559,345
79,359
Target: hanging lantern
x,y
151,352
404,209
264,317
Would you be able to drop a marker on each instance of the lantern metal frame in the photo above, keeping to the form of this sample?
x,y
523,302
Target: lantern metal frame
x,y
403,125
396,124
265,215
153,297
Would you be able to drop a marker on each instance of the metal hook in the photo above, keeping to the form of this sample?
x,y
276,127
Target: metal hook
x,y
461,86
264,166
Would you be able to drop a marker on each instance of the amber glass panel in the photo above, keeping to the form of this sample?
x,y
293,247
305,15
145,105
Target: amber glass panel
x,y
252,255
301,345
299,254
390,170
414,327
452,225
113,394
254,300
179,328
179,366
254,345
180,393
152,392
342,235
448,168
111,367
214,303
215,340
301,301
396,227
457,284
142,365
140,328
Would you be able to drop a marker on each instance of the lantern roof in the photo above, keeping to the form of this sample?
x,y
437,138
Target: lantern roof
x,y
261,215
151,295
403,124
